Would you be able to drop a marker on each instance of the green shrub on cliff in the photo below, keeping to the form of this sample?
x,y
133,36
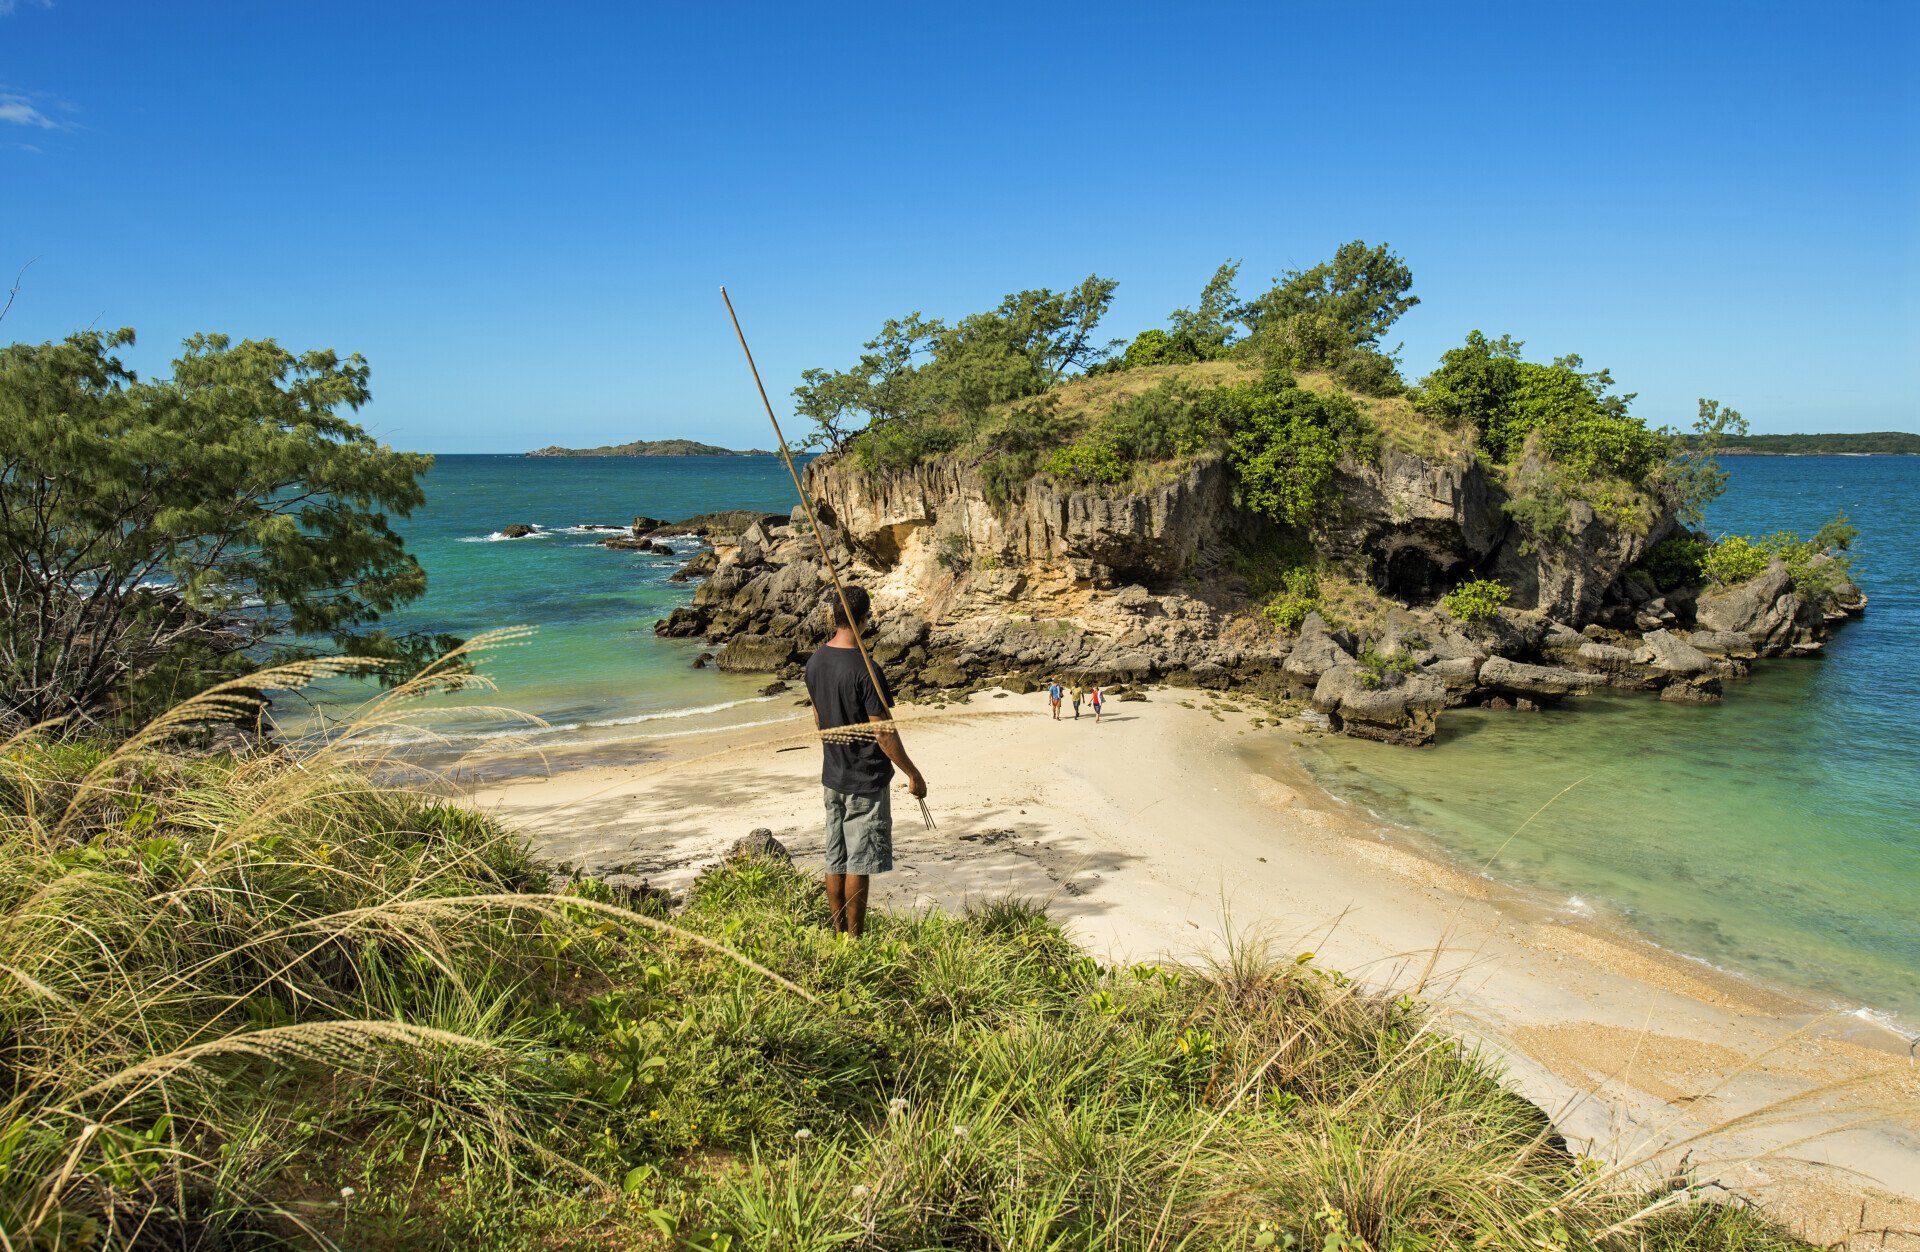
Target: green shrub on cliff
x,y
1815,565
1299,595
1735,559
1678,561
1476,601
1583,428
1286,442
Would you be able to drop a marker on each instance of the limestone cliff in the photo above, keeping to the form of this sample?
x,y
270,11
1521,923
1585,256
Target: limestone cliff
x,y
1148,584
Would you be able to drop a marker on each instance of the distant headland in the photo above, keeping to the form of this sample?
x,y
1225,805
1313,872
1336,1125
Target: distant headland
x,y
1864,443
651,447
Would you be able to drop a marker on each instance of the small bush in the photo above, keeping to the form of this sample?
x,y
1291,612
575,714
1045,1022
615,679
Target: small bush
x,y
1735,559
1285,445
1377,669
1816,566
1476,601
1298,596
952,553
1678,561
901,443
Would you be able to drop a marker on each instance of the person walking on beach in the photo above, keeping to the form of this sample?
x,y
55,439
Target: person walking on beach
x,y
1077,693
855,772
1053,699
1094,697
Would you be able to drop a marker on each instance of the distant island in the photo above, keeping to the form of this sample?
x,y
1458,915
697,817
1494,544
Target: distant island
x,y
1866,443
650,447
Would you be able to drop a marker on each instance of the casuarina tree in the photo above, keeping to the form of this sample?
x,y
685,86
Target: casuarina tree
x,y
157,535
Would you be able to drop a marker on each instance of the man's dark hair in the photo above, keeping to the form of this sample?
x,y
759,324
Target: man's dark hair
x,y
859,601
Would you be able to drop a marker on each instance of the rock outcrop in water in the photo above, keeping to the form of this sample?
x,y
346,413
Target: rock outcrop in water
x,y
1141,585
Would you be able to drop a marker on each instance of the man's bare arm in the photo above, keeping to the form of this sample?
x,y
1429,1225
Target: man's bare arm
x,y
889,741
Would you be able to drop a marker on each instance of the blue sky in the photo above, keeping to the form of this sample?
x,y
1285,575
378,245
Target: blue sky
x,y
521,213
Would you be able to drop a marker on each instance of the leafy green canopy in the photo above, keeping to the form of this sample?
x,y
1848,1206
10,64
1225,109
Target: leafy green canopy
x,y
153,531
1203,333
1329,317
1486,385
1282,440
917,368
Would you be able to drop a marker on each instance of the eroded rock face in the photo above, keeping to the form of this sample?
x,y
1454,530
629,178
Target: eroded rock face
x,y
1420,524
1770,613
1542,681
1068,583
1101,538
1391,708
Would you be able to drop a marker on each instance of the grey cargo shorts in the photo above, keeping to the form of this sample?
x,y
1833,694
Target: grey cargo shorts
x,y
859,832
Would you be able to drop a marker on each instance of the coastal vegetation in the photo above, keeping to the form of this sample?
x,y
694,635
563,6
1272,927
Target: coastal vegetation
x,y
650,447
254,999
157,534
1286,384
1477,601
1863,443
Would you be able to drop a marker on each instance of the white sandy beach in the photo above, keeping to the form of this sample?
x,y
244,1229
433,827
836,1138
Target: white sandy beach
x,y
1156,834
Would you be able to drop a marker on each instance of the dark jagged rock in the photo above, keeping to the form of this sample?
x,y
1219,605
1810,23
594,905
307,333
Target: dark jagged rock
x,y
1723,643
755,654
721,525
760,843
1317,650
703,563
1777,618
1397,709
519,530
628,543
1670,654
1543,681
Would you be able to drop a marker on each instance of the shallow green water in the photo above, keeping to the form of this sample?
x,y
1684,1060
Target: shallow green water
x,y
1777,833
594,669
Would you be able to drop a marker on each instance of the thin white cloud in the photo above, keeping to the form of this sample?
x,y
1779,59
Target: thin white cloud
x,y
8,7
21,112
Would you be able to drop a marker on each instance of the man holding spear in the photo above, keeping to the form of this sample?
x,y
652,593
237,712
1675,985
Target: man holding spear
x,y
853,712
857,765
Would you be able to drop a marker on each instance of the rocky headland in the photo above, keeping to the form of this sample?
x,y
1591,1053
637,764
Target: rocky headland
x,y
1149,585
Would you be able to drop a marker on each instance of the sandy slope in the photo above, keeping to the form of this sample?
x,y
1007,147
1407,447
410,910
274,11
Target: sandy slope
x,y
1157,833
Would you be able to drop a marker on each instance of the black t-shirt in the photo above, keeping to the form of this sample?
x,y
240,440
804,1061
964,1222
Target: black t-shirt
x,y
844,696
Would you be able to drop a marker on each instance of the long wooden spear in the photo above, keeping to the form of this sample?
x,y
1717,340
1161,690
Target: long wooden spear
x,y
826,559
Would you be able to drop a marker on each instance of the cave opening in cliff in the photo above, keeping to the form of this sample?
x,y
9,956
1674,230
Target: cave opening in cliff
x,y
1412,574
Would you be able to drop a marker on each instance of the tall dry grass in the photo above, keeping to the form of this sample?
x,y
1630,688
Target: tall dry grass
x,y
268,998
215,964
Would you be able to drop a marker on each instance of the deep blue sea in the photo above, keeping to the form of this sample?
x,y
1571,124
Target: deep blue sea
x,y
1777,833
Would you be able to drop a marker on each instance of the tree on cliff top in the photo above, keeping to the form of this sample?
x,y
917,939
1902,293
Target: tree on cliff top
x,y
1202,333
1362,292
919,367
153,532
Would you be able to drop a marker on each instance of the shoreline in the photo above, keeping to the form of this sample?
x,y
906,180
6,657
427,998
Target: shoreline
x,y
1639,1053
1613,921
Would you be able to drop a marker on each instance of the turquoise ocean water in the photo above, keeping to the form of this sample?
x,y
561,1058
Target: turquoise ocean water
x,y
594,669
1777,833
